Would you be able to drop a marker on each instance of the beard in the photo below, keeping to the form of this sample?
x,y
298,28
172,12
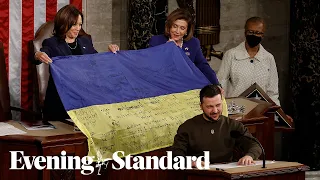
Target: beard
x,y
211,119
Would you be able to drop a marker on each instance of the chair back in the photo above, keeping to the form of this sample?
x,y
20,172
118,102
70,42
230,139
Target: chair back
x,y
41,77
5,112
1,114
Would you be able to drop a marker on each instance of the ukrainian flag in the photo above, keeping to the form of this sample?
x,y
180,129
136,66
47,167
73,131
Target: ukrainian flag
x,y
132,101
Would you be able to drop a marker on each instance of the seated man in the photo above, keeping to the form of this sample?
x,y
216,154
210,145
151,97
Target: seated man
x,y
210,131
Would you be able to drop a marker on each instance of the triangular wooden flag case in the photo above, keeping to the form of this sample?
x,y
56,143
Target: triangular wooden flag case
x,y
255,91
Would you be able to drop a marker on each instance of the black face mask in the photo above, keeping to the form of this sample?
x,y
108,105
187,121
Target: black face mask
x,y
253,40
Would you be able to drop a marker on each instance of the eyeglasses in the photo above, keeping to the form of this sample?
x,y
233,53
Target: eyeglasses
x,y
258,33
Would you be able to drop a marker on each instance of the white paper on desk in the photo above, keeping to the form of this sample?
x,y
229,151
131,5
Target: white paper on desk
x,y
69,120
235,165
37,125
38,128
8,129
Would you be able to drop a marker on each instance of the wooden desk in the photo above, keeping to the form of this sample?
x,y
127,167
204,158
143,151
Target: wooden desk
x,y
42,143
259,119
275,171
52,142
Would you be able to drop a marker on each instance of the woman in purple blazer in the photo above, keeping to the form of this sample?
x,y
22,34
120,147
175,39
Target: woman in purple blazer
x,y
67,40
179,29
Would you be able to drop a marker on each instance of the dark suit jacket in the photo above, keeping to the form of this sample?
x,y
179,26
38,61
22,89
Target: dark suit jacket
x,y
193,50
56,47
53,108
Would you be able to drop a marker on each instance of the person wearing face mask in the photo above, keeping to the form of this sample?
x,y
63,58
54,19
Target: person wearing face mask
x,y
68,39
210,131
249,63
179,29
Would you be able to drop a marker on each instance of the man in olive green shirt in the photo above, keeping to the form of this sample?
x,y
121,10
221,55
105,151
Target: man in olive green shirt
x,y
210,131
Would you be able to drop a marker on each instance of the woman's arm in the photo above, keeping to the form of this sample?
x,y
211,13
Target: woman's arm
x,y
272,88
224,70
42,56
152,42
201,62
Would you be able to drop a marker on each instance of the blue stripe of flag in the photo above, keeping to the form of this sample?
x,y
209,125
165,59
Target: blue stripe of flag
x,y
106,78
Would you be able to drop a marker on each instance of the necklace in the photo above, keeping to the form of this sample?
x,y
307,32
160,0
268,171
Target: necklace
x,y
74,46
181,44
177,43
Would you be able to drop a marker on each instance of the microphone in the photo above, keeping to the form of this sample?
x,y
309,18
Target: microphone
x,y
251,61
237,134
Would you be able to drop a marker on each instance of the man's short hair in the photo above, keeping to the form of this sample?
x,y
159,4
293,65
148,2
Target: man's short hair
x,y
209,91
254,20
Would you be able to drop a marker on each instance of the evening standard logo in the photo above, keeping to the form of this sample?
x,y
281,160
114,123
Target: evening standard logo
x,y
86,164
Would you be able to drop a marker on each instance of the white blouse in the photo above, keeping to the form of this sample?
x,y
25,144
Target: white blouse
x,y
238,72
